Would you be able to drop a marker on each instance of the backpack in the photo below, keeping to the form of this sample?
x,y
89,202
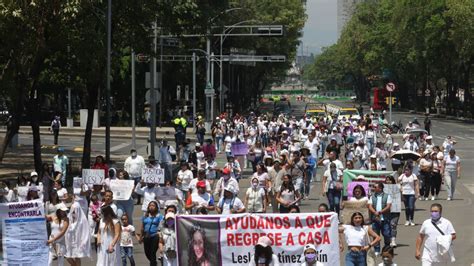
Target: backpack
x,y
55,124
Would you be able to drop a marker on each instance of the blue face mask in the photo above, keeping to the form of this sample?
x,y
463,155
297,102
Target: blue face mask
x,y
310,257
435,216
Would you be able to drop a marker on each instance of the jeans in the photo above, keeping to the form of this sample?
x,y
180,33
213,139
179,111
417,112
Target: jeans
x,y
409,202
356,258
394,216
218,143
450,178
426,185
334,199
127,252
435,183
384,227
168,169
56,136
307,182
370,145
150,245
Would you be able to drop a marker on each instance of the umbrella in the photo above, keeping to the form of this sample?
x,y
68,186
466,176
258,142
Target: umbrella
x,y
417,131
404,155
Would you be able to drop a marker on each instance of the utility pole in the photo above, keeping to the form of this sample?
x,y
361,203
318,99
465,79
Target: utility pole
x,y
208,78
70,121
153,93
107,94
194,90
133,101
160,80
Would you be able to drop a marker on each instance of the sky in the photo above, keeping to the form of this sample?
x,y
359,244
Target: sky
x,y
320,29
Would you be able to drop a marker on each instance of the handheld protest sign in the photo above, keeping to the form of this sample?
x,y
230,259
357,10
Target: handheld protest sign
x,y
166,193
355,206
394,191
93,176
153,175
77,185
122,189
239,148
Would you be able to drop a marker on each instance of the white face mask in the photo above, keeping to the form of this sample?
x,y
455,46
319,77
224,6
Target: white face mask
x,y
34,179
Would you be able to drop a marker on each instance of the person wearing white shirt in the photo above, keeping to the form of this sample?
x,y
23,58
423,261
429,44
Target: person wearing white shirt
x,y
410,191
149,192
433,233
134,165
362,153
411,144
184,177
452,170
230,203
310,256
226,180
201,176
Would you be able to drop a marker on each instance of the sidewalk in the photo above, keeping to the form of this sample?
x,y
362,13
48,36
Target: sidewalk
x,y
115,132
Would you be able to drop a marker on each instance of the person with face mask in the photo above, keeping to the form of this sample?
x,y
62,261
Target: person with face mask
x,y
387,257
411,144
436,238
410,192
226,180
264,255
310,256
35,182
255,199
134,165
167,245
452,171
149,191
332,180
230,203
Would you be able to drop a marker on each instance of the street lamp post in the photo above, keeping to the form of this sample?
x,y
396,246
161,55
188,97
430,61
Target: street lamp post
x,y
223,37
107,94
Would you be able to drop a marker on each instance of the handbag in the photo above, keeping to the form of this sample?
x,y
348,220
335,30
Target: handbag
x,y
338,185
370,259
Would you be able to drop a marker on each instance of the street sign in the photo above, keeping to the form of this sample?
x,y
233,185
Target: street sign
x,y
148,82
142,58
209,92
390,87
157,96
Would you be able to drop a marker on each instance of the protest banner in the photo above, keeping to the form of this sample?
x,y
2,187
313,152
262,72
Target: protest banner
x,y
93,176
231,239
239,148
122,189
166,193
353,184
368,176
24,233
355,206
153,175
394,191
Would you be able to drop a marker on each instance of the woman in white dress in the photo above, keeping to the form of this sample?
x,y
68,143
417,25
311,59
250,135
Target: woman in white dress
x,y
56,242
77,236
108,238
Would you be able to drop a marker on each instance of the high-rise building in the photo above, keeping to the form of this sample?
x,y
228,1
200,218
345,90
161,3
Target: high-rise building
x,y
345,9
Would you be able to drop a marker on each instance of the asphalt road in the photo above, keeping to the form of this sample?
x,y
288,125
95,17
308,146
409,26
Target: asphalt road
x,y
459,211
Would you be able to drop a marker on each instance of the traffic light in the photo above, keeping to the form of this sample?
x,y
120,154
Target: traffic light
x,y
387,100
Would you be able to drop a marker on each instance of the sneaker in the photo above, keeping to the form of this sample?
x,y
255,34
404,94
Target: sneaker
x,y
376,254
449,198
433,198
407,223
421,198
393,243
412,223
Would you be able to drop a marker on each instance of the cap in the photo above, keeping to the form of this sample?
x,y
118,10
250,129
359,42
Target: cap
x,y
61,206
170,215
201,183
373,156
264,241
198,144
34,173
284,132
429,137
276,161
396,144
308,247
226,171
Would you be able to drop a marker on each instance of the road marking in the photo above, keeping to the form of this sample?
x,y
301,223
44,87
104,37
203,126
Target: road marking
x,y
438,137
470,187
120,146
459,137
470,137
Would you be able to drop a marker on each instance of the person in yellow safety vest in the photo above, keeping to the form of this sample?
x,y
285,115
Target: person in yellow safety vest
x,y
183,121
176,121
